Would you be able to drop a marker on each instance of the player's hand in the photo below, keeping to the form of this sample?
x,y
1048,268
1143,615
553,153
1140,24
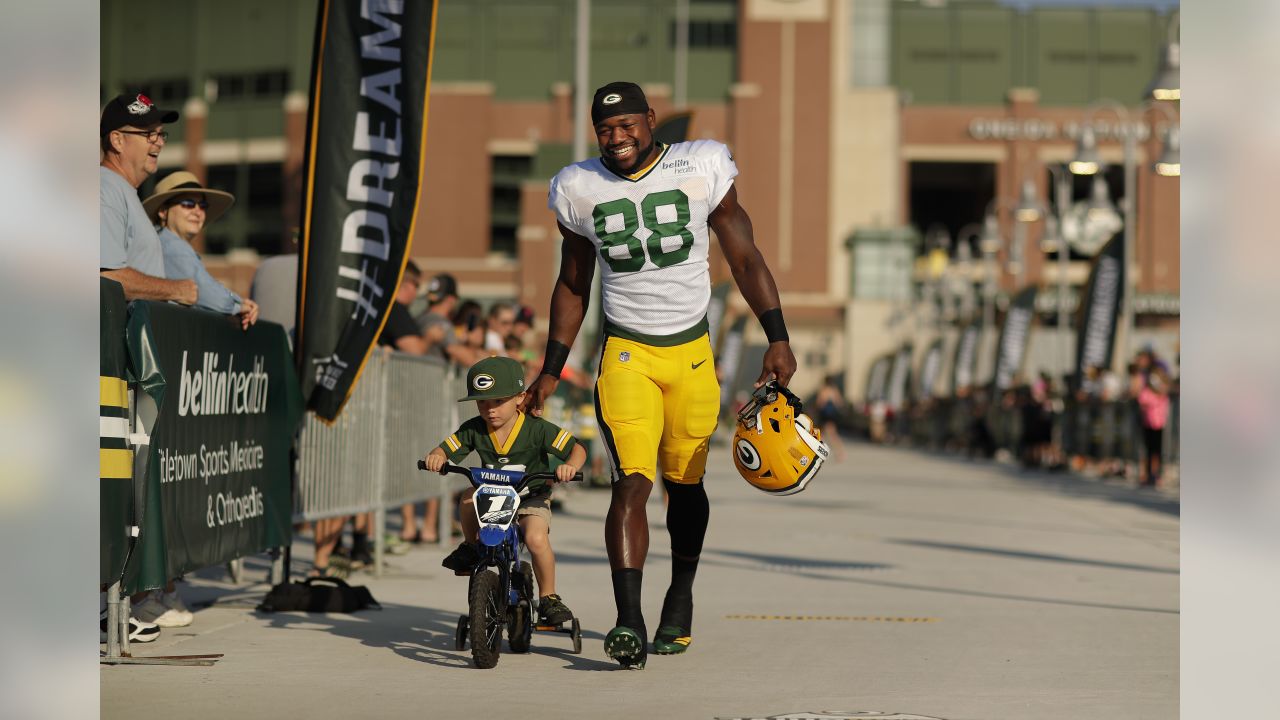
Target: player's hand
x,y
565,473
538,393
779,364
434,462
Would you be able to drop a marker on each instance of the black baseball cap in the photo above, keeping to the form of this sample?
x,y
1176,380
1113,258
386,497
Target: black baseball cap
x,y
136,110
441,287
618,98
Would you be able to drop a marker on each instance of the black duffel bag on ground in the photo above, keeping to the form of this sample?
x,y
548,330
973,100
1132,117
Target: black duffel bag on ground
x,y
318,595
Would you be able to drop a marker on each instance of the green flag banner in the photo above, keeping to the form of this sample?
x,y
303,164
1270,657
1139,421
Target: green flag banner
x,y
1096,321
216,483
1011,350
366,133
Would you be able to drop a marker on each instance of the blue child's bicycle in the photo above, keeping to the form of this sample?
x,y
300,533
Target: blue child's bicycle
x,y
500,592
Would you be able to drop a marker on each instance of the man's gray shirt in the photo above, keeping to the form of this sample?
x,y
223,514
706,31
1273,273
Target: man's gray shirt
x,y
128,238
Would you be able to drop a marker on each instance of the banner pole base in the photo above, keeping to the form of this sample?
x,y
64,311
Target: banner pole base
x,y
189,660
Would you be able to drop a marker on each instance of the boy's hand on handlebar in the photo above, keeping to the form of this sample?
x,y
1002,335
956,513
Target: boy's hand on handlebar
x,y
435,460
565,473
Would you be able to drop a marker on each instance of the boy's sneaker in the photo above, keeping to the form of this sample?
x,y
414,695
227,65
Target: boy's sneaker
x,y
463,558
139,631
671,640
154,610
553,611
627,647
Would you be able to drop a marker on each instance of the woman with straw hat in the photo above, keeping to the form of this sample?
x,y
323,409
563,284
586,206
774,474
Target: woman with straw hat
x,y
180,208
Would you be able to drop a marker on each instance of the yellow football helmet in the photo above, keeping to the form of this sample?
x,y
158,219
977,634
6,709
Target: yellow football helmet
x,y
776,448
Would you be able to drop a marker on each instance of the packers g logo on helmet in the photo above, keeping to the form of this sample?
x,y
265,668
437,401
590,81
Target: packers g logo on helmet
x,y
775,446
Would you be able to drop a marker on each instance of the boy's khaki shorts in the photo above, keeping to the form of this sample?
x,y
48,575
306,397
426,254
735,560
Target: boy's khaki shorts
x,y
539,505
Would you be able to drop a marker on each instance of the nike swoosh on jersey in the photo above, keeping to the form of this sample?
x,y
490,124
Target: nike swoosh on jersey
x,y
697,364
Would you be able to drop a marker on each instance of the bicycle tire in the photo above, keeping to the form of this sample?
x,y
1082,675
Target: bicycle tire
x,y
487,618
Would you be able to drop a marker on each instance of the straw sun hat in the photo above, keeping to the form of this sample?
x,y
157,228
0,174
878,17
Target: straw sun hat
x,y
184,183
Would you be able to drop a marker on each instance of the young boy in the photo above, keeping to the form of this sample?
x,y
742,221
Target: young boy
x,y
508,439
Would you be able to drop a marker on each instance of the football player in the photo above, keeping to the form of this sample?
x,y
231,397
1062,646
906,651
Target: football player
x,y
641,211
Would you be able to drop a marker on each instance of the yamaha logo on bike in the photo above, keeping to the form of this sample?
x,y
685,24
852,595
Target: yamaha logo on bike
x,y
482,381
747,455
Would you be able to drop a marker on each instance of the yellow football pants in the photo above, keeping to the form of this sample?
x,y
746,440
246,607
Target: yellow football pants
x,y
657,405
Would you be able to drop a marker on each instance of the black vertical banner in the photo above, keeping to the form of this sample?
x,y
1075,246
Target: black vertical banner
x,y
900,377
930,367
1096,323
366,134
963,367
1014,337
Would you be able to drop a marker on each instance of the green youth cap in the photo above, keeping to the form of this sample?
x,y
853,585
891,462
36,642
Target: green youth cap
x,y
494,378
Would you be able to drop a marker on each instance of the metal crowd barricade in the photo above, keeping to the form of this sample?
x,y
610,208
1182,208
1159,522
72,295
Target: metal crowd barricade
x,y
366,461
422,409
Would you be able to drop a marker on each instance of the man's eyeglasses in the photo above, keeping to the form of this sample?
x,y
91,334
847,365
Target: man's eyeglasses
x,y
150,135
193,204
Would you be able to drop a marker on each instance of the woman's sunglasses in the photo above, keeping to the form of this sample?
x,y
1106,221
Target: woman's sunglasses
x,y
192,204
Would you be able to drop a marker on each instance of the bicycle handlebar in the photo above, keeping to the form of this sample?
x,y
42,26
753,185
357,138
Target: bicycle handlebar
x,y
466,472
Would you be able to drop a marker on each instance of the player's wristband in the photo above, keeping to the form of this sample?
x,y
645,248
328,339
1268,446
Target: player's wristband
x,y
774,327
554,358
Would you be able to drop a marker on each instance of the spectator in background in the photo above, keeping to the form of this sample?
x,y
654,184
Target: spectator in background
x,y
830,404
523,325
437,326
502,318
131,138
401,332
180,208
275,290
468,326
1153,413
521,333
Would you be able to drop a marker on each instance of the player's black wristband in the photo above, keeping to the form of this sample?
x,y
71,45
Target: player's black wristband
x,y
774,327
554,358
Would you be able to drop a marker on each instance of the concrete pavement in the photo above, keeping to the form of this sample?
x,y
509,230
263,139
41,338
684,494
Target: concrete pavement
x,y
899,582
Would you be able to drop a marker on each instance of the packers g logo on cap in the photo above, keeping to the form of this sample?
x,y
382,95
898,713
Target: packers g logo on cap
x,y
611,99
482,382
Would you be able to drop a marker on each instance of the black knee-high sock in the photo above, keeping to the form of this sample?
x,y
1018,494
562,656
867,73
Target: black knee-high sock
x,y
626,593
688,512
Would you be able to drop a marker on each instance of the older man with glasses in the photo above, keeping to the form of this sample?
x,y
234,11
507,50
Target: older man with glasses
x,y
131,139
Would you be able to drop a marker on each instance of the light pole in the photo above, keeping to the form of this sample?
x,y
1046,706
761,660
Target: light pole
x,y
1166,85
1087,162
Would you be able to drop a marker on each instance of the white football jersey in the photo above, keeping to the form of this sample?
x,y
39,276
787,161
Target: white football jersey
x,y
649,231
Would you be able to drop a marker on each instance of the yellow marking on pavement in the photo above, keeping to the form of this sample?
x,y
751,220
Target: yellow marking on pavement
x,y
845,618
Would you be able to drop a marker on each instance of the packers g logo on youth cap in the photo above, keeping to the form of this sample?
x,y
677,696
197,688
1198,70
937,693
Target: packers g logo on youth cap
x,y
494,378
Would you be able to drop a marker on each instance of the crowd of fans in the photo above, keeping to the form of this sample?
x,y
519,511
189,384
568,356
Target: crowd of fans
x,y
1105,424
